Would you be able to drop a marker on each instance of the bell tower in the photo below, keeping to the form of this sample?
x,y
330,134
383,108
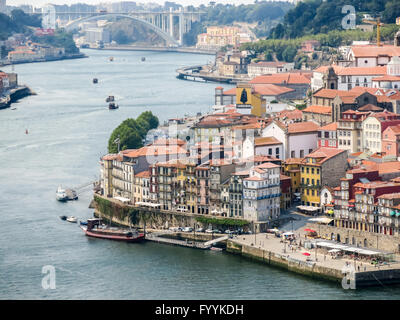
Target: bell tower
x,y
330,79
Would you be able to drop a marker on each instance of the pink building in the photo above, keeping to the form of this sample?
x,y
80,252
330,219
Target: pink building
x,y
390,140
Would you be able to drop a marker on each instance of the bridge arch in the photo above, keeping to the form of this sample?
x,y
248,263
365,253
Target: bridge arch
x,y
170,40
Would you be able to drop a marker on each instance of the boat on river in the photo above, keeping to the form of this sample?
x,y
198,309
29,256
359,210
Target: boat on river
x,y
112,106
61,194
110,99
95,80
95,229
72,219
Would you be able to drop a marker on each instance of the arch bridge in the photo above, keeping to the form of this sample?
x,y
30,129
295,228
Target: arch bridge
x,y
162,23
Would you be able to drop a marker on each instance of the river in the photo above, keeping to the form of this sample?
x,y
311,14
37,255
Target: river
x,y
69,124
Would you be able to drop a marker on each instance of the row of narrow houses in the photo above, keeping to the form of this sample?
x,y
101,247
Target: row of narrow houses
x,y
256,154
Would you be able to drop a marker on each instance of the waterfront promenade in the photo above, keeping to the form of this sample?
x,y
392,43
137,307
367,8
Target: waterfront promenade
x,y
317,263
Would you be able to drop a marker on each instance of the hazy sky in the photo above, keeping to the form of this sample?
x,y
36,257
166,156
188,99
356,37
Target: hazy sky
x,y
38,3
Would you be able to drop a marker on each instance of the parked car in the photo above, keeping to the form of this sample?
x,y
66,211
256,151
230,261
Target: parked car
x,y
187,229
209,231
175,229
228,231
217,231
200,230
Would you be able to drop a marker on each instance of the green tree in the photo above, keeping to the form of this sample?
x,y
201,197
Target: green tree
x,y
131,132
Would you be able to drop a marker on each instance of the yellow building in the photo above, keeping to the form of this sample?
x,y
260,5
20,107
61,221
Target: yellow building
x,y
248,101
323,167
291,168
191,188
310,175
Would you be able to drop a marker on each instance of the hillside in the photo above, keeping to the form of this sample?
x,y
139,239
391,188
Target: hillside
x,y
319,16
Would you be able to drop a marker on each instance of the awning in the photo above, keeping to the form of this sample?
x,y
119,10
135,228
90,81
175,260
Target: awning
x,y
323,220
122,199
334,250
398,214
392,213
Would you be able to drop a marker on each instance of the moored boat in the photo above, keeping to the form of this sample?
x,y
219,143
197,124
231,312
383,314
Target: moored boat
x,y
113,106
63,218
61,195
72,219
95,230
95,80
110,99
143,59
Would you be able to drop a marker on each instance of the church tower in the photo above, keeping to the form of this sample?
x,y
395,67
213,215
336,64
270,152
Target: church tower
x,y
330,79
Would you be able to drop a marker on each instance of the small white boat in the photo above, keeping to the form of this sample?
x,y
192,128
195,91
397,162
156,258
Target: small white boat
x,y
72,219
215,249
61,194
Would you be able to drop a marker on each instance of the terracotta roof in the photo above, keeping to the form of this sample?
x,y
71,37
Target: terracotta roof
x,y
325,153
290,114
370,107
267,165
265,141
143,174
318,109
302,127
254,178
329,127
170,141
331,93
387,78
154,151
112,157
390,196
282,78
294,161
374,51
354,71
270,89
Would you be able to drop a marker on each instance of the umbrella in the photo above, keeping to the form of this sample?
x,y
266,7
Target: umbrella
x,y
309,230
306,254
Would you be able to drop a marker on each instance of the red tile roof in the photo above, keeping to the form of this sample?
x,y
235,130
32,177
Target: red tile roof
x,y
318,109
265,141
302,127
329,127
325,153
283,78
375,51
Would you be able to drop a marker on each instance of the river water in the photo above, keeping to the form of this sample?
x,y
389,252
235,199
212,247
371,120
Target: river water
x,y
69,124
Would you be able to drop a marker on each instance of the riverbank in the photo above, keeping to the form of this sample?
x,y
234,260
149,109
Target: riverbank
x,y
158,49
17,94
66,57
268,249
195,73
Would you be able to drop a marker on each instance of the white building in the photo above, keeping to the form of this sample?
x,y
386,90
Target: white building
x,y
256,69
261,193
298,139
392,79
372,55
93,35
348,77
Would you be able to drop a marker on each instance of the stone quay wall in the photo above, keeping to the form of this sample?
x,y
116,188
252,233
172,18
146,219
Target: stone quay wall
x,y
361,238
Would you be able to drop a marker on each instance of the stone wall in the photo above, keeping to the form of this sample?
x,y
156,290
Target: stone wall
x,y
361,238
